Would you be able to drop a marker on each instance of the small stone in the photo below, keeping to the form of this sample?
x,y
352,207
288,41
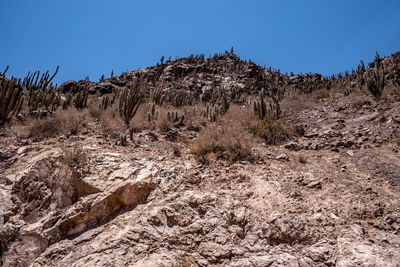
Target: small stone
x,y
293,146
314,184
333,216
110,154
282,157
357,229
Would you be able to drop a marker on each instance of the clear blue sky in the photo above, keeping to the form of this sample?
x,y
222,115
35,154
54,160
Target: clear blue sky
x,y
91,37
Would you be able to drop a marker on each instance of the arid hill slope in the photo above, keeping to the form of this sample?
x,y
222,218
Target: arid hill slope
x,y
326,193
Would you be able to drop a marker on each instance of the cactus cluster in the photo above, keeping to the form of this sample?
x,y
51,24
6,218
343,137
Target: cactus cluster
x,y
179,98
32,81
122,140
153,115
212,112
43,95
271,110
43,99
375,78
81,99
175,117
396,61
107,101
130,100
157,96
11,98
360,74
218,104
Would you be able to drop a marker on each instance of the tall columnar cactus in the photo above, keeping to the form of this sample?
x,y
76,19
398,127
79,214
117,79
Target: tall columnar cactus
x,y
271,111
260,107
277,95
42,92
105,102
157,96
360,74
396,71
11,99
131,99
375,80
81,99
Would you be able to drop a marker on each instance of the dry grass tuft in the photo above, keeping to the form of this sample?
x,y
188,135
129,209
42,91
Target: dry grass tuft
x,y
321,94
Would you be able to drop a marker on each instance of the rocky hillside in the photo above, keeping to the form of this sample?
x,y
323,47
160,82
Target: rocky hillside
x,y
318,185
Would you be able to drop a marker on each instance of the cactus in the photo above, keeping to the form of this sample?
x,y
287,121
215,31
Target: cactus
x,y
271,111
260,107
81,99
11,98
67,101
360,74
396,72
122,140
157,96
42,92
277,95
130,100
105,102
375,78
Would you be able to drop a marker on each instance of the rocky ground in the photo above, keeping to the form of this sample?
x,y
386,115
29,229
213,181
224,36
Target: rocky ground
x,y
329,197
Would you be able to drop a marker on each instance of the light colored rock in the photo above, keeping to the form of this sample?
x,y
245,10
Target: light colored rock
x,y
282,157
351,253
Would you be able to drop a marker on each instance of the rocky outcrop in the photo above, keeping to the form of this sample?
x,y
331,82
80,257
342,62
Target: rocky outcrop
x,y
51,202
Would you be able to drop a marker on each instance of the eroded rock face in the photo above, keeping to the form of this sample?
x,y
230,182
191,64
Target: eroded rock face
x,y
142,206
52,202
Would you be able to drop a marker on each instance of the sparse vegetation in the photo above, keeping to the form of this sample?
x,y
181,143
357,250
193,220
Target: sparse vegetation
x,y
225,139
11,98
221,142
302,159
375,78
45,128
130,100
52,126
73,156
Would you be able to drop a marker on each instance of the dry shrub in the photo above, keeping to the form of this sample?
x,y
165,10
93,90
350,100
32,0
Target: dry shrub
x,y
95,112
46,128
357,101
192,125
140,121
321,94
72,120
194,118
295,102
111,122
271,130
162,123
176,151
221,142
302,159
226,139
61,122
73,157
